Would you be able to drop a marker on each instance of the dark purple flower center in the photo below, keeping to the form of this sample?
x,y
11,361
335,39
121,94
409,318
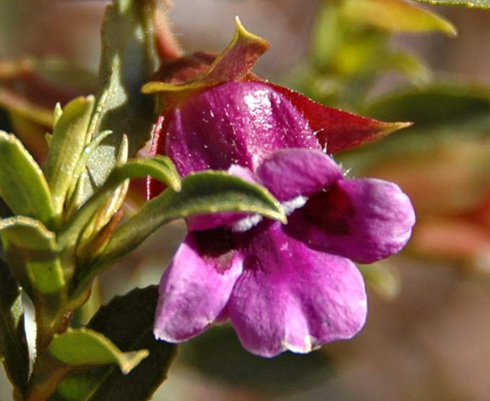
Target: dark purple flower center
x,y
330,211
216,245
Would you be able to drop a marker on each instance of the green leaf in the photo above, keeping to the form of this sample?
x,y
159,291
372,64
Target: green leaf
x,y
128,61
13,344
128,322
397,16
32,253
87,347
22,184
68,142
160,168
203,192
467,3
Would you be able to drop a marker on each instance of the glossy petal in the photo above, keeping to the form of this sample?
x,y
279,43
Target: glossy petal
x,y
290,173
196,286
290,297
233,123
362,219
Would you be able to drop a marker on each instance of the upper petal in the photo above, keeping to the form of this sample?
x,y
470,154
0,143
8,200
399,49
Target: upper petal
x,y
196,286
233,123
361,219
289,173
290,297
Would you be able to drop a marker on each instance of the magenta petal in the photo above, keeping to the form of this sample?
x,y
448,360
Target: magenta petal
x,y
234,123
196,286
290,297
289,173
362,219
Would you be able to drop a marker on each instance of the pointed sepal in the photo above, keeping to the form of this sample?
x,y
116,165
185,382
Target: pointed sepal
x,y
338,130
233,64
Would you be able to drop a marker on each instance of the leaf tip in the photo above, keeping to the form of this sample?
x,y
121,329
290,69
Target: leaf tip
x,y
132,360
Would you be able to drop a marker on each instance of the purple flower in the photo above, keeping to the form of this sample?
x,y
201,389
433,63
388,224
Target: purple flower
x,y
283,287
239,122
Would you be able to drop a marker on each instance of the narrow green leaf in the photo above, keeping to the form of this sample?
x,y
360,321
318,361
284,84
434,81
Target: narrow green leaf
x,y
128,322
22,184
203,192
13,344
67,145
87,347
77,193
161,169
31,250
397,16
467,3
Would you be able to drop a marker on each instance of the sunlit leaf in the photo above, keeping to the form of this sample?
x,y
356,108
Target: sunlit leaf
x,y
161,168
88,347
69,139
32,252
22,183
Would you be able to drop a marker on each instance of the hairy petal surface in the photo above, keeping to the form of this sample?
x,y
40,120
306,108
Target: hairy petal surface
x,y
234,123
196,286
290,297
361,219
289,173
